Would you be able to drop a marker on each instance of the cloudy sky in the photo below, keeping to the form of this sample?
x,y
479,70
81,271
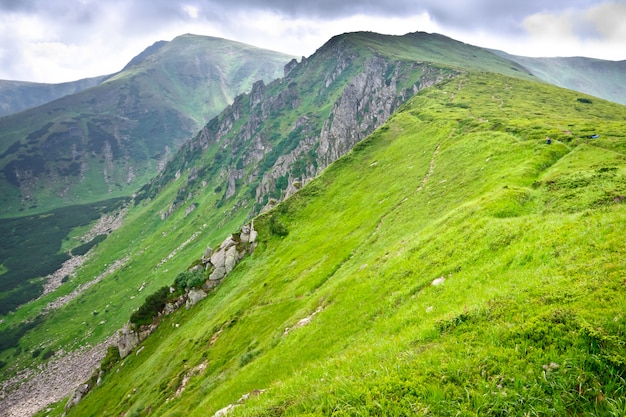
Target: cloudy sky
x,y
64,40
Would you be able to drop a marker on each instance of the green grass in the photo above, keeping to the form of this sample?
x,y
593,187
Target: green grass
x,y
530,240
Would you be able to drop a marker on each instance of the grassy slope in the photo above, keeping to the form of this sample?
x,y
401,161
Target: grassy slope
x,y
192,76
530,238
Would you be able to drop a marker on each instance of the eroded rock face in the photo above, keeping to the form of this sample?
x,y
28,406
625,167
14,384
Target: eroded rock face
x,y
366,93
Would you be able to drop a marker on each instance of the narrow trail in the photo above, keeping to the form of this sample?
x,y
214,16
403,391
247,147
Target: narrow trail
x,y
431,168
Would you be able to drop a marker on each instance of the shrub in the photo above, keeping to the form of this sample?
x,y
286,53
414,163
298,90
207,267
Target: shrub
x,y
153,305
111,359
277,227
189,279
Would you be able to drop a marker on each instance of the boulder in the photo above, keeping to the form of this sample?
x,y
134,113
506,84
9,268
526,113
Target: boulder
x,y
231,259
244,236
194,296
228,242
253,234
218,273
218,259
127,340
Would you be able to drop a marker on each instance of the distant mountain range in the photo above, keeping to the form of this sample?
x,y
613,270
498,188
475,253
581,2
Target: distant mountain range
x,y
106,140
600,78
16,96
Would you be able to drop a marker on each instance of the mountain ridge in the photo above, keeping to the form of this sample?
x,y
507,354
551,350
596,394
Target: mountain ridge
x,y
431,283
469,121
16,96
600,78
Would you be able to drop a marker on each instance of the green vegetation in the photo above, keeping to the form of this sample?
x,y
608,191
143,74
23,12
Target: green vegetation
x,y
31,248
600,78
153,304
525,239
109,140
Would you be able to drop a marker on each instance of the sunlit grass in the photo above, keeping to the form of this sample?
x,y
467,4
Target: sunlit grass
x,y
528,237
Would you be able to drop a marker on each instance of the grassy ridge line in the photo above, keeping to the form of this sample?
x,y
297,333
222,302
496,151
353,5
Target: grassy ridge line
x,y
528,237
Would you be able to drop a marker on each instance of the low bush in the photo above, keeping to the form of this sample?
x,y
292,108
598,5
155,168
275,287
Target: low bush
x,y
154,304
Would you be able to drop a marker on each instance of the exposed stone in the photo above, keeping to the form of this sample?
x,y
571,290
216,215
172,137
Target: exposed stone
x,y
218,259
209,285
290,66
438,281
189,209
253,234
218,273
228,242
127,340
194,297
231,259
77,395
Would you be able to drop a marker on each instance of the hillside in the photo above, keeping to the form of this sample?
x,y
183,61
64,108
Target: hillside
x,y
271,141
108,140
452,263
265,146
16,96
600,78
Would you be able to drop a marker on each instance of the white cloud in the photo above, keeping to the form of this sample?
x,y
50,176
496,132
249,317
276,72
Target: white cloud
x,y
65,40
299,36
608,19
192,11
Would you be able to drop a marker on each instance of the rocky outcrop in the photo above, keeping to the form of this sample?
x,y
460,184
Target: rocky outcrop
x,y
335,98
223,260
217,264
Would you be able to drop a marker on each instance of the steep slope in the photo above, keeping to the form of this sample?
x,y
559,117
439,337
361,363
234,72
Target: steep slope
x,y
270,142
108,140
16,96
600,78
452,263
266,145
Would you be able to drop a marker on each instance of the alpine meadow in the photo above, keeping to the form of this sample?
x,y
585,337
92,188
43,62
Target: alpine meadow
x,y
401,225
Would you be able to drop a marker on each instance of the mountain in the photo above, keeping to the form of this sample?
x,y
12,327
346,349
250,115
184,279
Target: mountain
x,y
108,140
600,78
449,177
452,263
16,96
275,139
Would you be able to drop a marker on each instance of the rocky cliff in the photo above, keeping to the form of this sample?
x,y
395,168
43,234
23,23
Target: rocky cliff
x,y
274,139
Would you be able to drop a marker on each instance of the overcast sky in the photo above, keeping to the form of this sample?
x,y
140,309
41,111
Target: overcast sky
x,y
65,40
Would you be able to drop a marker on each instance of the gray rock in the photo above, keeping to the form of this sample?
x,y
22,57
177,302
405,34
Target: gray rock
x,y
228,242
218,273
127,340
194,297
231,259
218,259
253,234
